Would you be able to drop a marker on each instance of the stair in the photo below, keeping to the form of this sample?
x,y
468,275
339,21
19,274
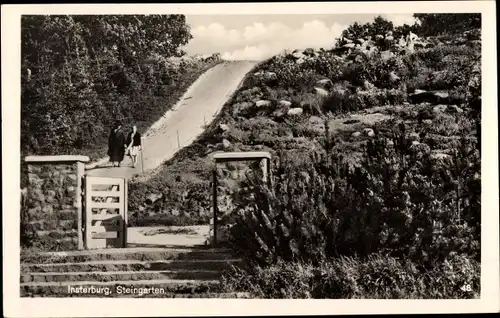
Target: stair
x,y
130,272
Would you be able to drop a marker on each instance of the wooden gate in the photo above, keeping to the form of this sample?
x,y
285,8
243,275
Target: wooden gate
x,y
105,212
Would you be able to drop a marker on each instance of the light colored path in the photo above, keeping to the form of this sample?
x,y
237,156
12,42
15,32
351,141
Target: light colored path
x,y
174,236
181,125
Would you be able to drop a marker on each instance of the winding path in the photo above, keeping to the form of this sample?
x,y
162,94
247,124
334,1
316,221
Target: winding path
x,y
181,125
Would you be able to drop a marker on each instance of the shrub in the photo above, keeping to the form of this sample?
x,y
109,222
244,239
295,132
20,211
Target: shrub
x,y
397,200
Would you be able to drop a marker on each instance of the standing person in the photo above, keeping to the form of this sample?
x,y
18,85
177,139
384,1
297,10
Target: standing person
x,y
116,144
134,144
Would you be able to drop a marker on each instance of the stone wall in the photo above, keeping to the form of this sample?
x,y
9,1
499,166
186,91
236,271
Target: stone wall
x,y
53,203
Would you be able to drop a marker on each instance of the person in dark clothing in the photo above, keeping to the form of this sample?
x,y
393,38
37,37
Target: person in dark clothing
x,y
134,144
116,144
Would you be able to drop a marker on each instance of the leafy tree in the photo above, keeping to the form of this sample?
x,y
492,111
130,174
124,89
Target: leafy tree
x,y
81,72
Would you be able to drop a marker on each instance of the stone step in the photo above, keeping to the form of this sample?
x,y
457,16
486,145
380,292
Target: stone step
x,y
139,288
121,276
126,265
136,253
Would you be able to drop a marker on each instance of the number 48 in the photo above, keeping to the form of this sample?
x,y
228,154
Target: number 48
x,y
466,288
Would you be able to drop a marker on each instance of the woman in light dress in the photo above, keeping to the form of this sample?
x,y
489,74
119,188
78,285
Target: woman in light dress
x,y
134,144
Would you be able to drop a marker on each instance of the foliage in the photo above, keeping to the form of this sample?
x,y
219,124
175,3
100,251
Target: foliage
x,y
80,73
376,277
447,23
398,199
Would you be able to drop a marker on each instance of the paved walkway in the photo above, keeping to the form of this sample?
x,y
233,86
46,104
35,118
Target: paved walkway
x,y
180,126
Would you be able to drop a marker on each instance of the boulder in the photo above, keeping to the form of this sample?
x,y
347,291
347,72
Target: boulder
x,y
386,55
389,38
440,156
393,78
369,132
379,37
269,76
427,121
439,108
224,127
321,92
368,85
295,111
284,103
454,109
349,45
226,144
356,134
414,136
263,103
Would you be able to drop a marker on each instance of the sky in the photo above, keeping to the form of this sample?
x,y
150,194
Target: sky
x,y
257,37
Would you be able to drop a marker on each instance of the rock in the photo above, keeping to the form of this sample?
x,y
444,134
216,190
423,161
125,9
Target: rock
x,y
356,134
321,92
386,55
419,91
359,58
393,78
389,38
406,103
369,132
439,108
390,143
427,121
295,111
359,41
379,37
349,45
414,136
267,76
284,103
226,144
440,156
454,109
224,127
153,198
263,103
325,83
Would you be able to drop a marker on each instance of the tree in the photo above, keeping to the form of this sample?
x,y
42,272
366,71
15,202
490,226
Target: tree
x,y
378,26
81,72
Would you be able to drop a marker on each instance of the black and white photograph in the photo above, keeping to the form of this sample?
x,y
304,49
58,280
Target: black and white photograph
x,y
316,155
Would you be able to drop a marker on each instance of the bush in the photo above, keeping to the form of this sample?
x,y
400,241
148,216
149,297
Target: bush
x,y
397,200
